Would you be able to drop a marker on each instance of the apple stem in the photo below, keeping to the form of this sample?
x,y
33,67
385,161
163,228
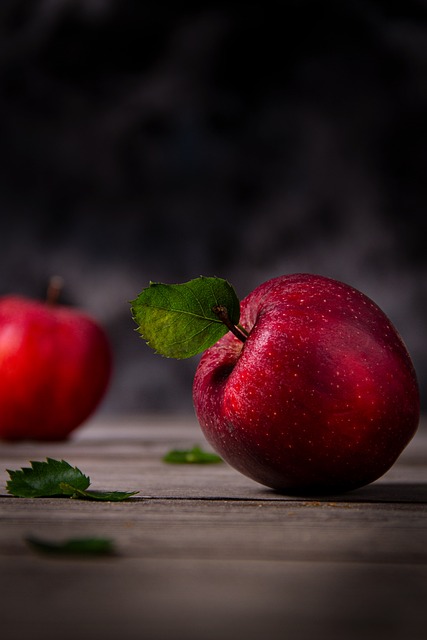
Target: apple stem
x,y
55,286
222,313
243,330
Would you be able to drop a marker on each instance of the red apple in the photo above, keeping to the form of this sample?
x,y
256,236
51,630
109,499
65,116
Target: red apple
x,y
55,365
322,396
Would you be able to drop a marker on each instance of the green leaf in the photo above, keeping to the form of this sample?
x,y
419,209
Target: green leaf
x,y
110,496
178,321
191,456
55,478
73,546
43,479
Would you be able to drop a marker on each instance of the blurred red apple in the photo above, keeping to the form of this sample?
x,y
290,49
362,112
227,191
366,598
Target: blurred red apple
x,y
321,396
55,365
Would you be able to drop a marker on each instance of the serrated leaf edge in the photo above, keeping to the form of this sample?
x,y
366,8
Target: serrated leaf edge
x,y
37,465
209,320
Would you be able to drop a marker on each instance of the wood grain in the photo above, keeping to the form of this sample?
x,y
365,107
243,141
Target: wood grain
x,y
203,552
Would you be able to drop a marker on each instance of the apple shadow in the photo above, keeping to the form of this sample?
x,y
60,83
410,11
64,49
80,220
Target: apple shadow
x,y
382,492
402,492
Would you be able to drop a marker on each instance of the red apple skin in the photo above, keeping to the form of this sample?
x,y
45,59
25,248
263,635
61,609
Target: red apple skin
x,y
55,365
321,398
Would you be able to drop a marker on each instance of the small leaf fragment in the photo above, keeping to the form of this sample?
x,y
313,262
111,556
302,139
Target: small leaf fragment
x,y
178,321
191,456
106,496
73,546
43,479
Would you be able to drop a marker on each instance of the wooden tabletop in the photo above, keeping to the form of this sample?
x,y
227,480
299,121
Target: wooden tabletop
x,y
204,553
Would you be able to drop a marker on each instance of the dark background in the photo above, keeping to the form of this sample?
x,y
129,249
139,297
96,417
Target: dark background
x,y
159,143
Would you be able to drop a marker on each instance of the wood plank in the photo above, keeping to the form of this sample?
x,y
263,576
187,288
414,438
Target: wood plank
x,y
126,453
204,552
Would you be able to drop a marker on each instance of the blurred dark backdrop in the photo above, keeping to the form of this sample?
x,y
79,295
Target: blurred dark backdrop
x,y
159,143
